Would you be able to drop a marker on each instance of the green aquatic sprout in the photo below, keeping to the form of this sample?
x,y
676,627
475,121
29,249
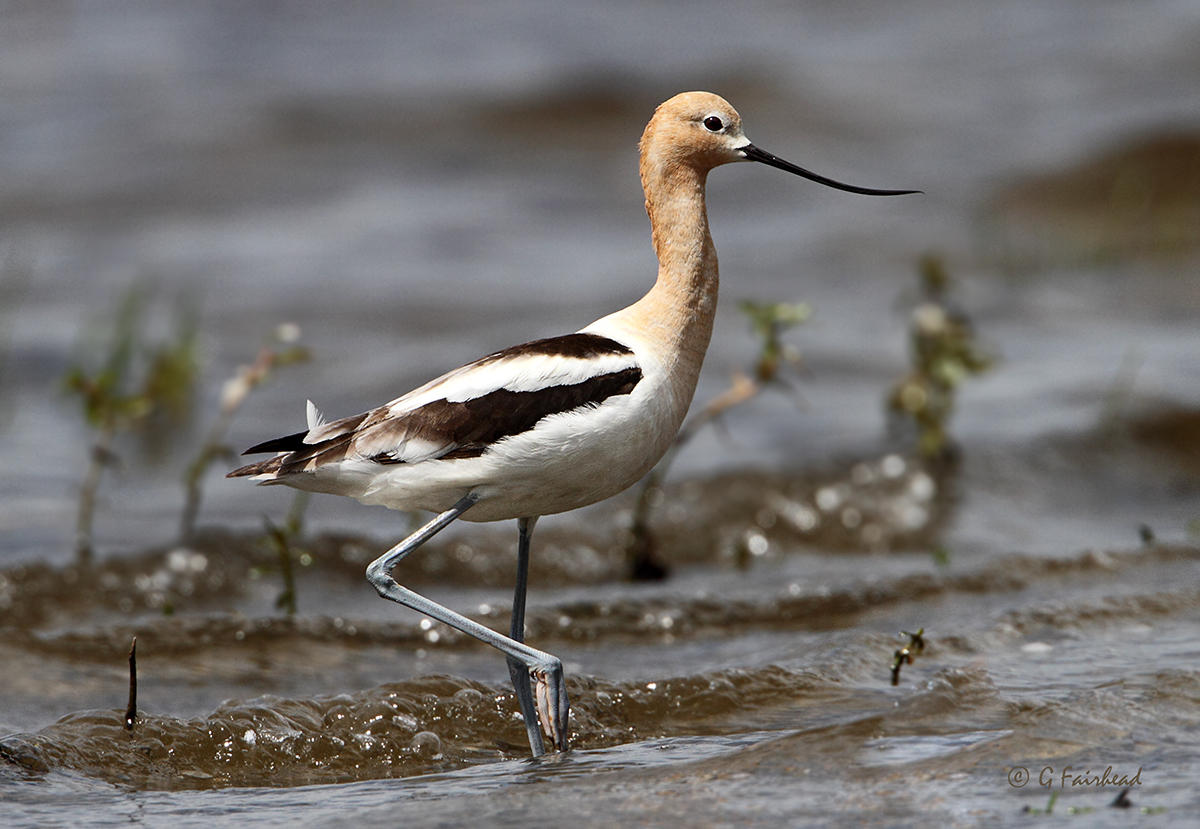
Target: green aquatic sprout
x,y
768,322
940,555
944,352
283,540
282,350
134,387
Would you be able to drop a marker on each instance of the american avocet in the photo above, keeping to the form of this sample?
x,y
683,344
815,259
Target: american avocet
x,y
554,424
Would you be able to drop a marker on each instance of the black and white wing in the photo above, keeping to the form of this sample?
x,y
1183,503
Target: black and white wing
x,y
462,413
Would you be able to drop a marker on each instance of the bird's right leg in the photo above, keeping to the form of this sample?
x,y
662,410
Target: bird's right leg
x,y
546,667
516,668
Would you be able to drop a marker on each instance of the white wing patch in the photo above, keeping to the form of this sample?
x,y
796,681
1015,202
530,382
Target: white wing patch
x,y
523,373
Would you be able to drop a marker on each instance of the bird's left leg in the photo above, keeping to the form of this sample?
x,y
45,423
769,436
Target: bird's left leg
x,y
552,693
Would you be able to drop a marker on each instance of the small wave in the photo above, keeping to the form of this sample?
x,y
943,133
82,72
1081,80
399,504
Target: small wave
x,y
416,727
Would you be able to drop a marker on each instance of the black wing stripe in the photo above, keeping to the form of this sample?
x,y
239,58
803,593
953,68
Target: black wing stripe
x,y
579,346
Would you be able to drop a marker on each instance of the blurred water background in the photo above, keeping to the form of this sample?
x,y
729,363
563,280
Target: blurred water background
x,y
416,185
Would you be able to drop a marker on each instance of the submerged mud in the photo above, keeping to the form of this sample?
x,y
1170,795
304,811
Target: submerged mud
x,y
1141,198
664,618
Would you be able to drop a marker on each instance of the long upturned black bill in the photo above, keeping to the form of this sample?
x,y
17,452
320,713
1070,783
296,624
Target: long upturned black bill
x,y
753,153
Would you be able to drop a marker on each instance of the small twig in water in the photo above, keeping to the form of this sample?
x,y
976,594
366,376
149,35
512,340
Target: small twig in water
x,y
131,708
904,655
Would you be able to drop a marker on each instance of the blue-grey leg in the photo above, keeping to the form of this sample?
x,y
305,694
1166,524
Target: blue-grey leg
x,y
546,669
516,668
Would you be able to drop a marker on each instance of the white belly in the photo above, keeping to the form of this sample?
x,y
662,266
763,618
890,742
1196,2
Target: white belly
x,y
565,462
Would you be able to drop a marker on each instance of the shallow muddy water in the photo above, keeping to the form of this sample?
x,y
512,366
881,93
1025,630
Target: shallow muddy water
x,y
417,188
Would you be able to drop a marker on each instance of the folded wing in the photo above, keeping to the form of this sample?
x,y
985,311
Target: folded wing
x,y
462,413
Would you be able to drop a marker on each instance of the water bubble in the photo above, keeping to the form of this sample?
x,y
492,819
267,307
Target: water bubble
x,y
862,474
801,516
922,486
250,737
828,498
468,696
911,516
851,518
892,466
426,744
406,721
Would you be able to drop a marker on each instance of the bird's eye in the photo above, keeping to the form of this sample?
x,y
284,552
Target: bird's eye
x,y
713,124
